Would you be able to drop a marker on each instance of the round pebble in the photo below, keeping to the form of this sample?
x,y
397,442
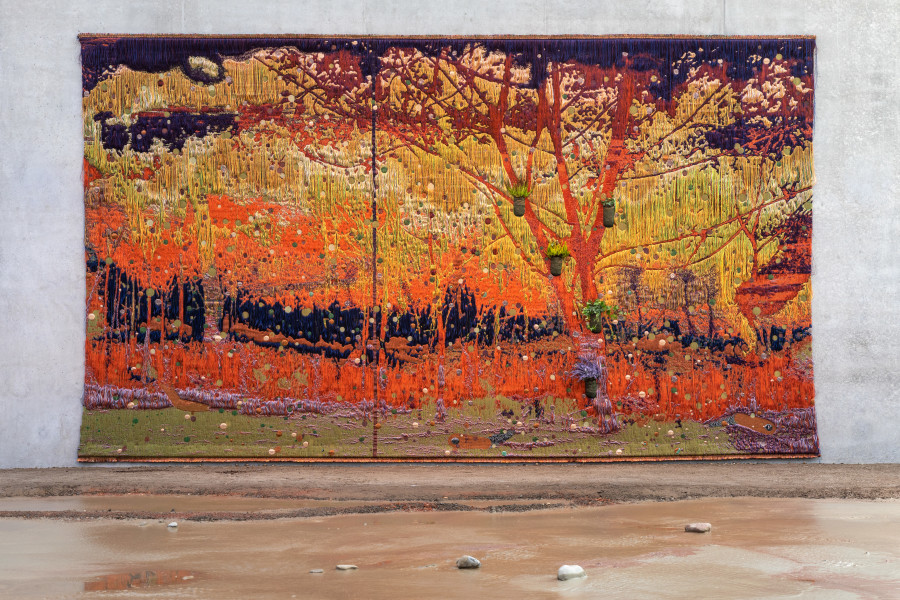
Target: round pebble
x,y
567,572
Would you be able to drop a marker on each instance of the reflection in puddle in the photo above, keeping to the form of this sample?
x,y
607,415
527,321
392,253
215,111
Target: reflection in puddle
x,y
142,579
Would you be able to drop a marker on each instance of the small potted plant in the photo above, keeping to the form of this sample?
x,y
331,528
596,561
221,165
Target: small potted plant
x,y
591,371
557,252
519,192
609,212
595,311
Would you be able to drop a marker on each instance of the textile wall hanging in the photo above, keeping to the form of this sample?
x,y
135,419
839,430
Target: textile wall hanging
x,y
505,249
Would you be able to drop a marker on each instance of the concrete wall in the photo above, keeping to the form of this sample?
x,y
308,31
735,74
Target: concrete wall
x,y
855,247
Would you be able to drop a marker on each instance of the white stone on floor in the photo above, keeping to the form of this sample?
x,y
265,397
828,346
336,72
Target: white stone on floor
x,y
467,562
567,572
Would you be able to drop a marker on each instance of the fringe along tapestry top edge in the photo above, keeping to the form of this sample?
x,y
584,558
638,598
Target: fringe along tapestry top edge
x,y
447,248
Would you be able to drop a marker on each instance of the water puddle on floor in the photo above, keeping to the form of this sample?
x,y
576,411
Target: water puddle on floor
x,y
758,548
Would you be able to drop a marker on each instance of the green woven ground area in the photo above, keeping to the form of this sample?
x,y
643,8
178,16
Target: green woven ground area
x,y
167,433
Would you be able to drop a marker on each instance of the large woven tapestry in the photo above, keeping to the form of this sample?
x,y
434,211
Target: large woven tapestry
x,y
505,249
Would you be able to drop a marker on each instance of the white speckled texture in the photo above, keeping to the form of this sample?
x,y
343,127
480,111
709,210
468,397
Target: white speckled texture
x,y
855,250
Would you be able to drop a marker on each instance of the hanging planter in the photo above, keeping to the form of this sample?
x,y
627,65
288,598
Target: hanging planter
x,y
556,265
609,213
519,206
591,370
519,192
596,312
557,252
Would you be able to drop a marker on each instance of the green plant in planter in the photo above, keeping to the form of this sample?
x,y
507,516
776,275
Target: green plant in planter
x,y
519,192
595,311
609,212
557,252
